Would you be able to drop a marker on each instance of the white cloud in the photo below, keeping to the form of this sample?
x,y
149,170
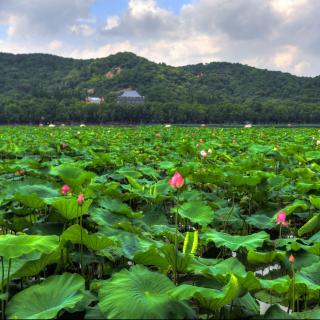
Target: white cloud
x,y
141,7
289,8
82,29
112,22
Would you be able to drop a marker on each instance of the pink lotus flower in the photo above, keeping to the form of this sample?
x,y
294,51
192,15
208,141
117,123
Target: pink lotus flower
x,y
64,145
201,140
203,153
65,189
80,199
209,151
176,181
158,135
281,218
197,145
291,258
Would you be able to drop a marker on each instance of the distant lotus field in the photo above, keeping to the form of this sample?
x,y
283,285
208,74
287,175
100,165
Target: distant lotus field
x,y
159,222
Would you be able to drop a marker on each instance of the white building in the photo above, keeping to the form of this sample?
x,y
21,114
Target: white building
x,y
96,100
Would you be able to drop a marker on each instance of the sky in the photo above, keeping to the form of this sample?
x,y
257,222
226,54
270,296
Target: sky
x,y
270,34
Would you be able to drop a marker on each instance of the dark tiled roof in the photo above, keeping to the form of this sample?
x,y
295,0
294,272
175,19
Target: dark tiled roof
x,y
130,94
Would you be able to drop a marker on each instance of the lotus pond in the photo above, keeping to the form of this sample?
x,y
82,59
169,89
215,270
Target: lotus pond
x,y
159,223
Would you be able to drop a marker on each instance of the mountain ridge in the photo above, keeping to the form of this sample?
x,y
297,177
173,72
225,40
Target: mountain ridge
x,y
169,65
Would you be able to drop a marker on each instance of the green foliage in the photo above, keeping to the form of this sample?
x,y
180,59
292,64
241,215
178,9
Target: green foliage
x,y
70,209
227,250
249,242
46,300
44,88
196,211
14,246
140,294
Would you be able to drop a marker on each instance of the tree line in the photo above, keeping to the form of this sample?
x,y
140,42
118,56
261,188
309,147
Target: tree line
x,y
50,111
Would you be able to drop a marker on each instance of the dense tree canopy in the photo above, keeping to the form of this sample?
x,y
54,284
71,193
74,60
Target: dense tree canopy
x,y
38,88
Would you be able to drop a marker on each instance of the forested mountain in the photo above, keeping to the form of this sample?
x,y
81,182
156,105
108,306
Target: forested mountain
x,y
38,88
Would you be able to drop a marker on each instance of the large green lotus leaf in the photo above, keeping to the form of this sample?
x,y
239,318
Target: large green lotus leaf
x,y
134,184
209,298
163,188
250,282
268,297
312,155
129,172
161,230
228,216
190,195
261,221
167,165
132,243
310,225
312,271
249,242
315,201
221,269
13,246
33,193
104,218
196,211
304,187
199,265
42,188
91,241
34,267
72,175
305,284
276,313
177,260
297,204
140,294
280,285
308,314
248,303
152,257
18,264
94,313
259,148
69,207
116,206
238,180
32,200
46,228
153,215
46,300
256,257
149,171
315,237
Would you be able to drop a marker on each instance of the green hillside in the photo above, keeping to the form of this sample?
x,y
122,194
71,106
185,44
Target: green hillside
x,y
44,88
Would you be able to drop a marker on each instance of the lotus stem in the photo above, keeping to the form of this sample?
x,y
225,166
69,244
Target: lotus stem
x,y
293,284
175,271
228,217
81,244
2,288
